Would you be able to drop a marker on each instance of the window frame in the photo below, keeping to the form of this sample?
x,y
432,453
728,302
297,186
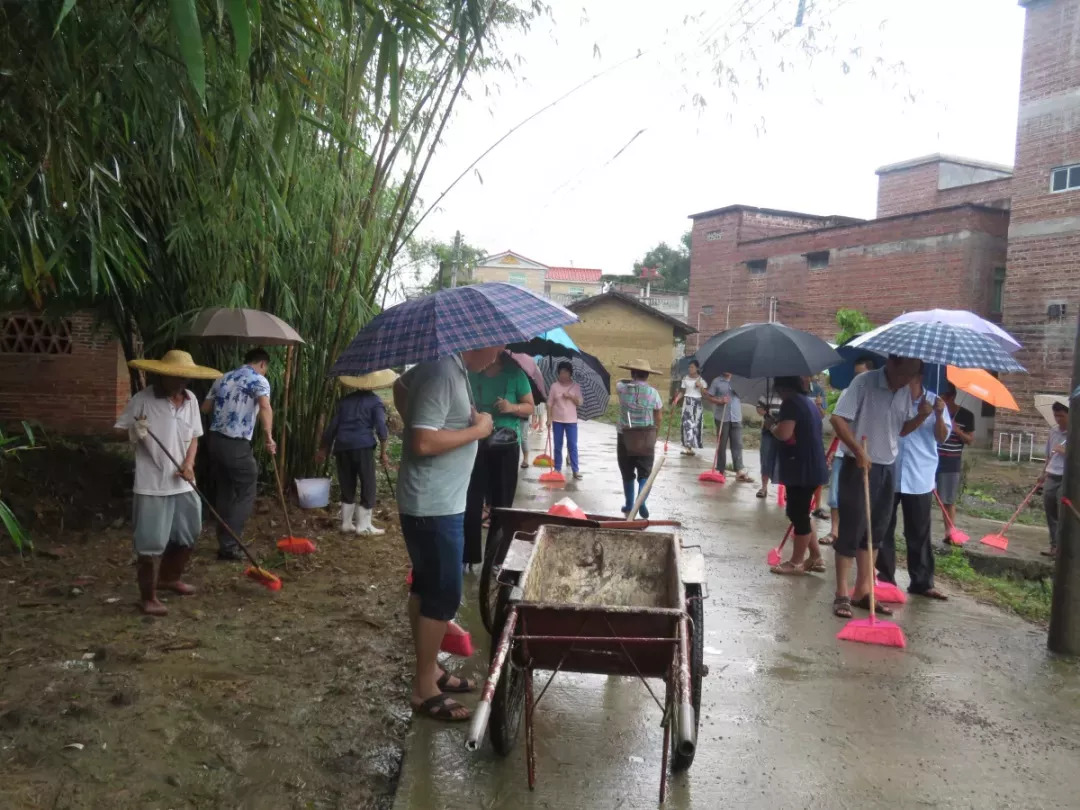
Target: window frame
x,y
997,291
757,267
818,255
1069,169
521,274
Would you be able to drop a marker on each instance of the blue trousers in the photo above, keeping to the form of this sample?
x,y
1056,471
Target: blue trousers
x,y
569,430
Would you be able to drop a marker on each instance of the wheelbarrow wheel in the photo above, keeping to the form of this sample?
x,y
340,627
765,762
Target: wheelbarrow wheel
x,y
696,610
494,554
508,702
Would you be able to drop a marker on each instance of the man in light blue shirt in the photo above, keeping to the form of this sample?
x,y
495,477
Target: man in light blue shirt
x,y
916,471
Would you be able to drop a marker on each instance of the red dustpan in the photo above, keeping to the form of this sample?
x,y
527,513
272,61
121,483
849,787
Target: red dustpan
x,y
999,540
552,477
456,641
775,555
296,545
715,476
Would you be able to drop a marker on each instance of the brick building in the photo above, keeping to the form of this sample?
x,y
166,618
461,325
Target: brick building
x,y
66,374
950,232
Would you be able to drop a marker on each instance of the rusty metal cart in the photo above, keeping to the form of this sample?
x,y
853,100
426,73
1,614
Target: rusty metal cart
x,y
516,523
596,600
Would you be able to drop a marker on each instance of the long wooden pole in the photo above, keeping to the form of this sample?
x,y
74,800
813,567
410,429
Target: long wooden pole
x,y
280,464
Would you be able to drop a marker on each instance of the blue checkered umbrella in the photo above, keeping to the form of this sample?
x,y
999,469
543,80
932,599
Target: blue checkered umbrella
x,y
939,343
447,322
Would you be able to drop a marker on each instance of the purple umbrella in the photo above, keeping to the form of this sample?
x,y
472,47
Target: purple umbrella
x,y
961,317
447,322
536,378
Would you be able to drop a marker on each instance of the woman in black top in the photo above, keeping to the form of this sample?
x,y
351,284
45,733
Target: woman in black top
x,y
797,429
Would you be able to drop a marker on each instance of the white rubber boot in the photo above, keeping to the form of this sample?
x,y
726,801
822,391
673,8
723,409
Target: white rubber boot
x,y
363,522
347,513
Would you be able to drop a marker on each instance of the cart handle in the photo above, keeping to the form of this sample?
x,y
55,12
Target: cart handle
x,y
482,713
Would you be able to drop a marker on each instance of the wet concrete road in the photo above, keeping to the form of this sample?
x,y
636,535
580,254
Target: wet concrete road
x,y
974,713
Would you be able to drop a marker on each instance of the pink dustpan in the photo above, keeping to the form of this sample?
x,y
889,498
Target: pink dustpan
x,y
552,477
712,476
456,641
774,557
873,631
996,541
781,495
887,592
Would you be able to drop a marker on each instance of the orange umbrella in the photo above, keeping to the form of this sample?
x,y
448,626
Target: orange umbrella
x,y
982,385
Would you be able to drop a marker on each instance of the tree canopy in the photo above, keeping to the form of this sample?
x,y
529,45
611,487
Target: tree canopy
x,y
671,263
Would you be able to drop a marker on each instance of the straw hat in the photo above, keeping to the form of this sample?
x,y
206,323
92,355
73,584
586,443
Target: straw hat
x,y
640,365
371,382
176,363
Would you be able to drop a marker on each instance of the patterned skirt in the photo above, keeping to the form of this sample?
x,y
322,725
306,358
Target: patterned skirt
x,y
692,413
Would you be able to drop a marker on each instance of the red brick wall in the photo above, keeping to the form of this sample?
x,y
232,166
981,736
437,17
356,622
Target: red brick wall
x,y
905,191
943,258
1044,239
82,392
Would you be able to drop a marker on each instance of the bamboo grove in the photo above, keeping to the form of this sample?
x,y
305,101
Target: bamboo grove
x,y
160,157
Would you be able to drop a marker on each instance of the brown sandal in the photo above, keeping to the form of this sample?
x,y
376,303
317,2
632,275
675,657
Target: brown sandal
x,y
817,566
442,707
827,540
462,686
864,604
788,569
841,606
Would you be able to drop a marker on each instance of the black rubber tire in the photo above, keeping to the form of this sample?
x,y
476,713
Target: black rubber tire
x,y
508,702
489,585
696,609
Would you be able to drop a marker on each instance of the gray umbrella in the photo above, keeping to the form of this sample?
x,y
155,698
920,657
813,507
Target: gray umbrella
x,y
243,326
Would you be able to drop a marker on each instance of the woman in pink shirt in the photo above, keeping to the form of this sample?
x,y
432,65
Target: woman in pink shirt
x,y
564,397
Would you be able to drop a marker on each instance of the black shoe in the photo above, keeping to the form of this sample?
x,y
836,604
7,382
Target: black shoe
x,y
231,554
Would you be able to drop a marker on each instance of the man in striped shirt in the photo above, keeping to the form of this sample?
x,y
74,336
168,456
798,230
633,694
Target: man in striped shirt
x,y
951,455
876,408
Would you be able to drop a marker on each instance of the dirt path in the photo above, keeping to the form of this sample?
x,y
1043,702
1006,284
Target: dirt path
x,y
239,698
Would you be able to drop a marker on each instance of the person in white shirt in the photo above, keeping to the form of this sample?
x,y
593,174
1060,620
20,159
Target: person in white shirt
x,y
692,387
167,513
1055,473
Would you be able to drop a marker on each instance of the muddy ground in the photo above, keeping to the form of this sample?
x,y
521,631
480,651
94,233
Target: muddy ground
x,y
239,698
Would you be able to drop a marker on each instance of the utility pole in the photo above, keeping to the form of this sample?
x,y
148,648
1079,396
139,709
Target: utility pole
x,y
1064,635
456,260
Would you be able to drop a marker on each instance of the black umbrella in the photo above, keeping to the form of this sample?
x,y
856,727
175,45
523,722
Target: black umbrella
x,y
766,350
590,374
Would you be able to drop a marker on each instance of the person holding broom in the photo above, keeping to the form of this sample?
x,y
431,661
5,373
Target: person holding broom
x,y
640,411
360,418
876,407
721,393
166,511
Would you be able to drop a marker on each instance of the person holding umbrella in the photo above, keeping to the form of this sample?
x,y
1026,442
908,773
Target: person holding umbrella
x,y
167,515
915,470
564,397
877,407
640,411
236,401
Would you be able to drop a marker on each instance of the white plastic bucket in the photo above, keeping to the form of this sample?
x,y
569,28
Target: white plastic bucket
x,y
314,493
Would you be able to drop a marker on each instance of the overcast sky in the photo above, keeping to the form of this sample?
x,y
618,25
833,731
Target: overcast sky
x,y
809,141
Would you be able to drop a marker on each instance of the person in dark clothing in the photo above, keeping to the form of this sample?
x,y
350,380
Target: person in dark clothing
x,y
797,431
360,418
951,455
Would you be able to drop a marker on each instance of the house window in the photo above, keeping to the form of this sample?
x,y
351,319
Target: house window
x,y
519,278
30,334
1065,178
1055,312
757,266
997,294
577,291
819,260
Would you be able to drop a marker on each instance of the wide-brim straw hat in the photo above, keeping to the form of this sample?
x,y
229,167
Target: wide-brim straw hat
x,y
640,365
371,382
176,363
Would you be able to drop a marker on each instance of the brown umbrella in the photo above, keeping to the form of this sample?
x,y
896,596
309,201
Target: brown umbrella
x,y
243,326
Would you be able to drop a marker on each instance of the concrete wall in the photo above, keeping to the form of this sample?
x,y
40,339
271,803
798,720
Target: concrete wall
x,y
617,333
940,184
1044,235
570,287
80,391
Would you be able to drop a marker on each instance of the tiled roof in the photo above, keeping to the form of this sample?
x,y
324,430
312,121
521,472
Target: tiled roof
x,y
582,274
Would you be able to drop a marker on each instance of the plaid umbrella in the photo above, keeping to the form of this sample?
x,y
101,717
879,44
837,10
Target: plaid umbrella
x,y
962,317
447,322
939,343
590,374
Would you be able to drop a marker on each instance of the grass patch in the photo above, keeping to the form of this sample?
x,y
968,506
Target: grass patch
x,y
1029,599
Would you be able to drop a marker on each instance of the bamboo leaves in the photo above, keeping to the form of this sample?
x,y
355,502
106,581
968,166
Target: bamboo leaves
x,y
185,20
238,18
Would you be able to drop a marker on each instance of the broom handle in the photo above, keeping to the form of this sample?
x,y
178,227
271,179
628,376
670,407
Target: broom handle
x,y
389,482
791,526
719,436
205,500
1072,508
645,489
1020,508
869,532
944,511
670,421
281,496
